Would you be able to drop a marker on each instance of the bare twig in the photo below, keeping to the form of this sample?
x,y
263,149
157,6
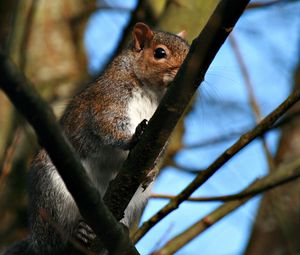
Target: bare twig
x,y
246,76
244,140
190,170
162,239
251,95
52,138
283,174
257,5
215,140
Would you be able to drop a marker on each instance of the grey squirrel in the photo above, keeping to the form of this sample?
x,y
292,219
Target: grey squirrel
x,y
101,123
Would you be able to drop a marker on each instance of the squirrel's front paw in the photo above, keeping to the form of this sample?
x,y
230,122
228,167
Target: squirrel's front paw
x,y
84,234
140,129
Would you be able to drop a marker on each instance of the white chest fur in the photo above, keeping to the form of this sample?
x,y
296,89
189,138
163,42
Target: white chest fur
x,y
142,106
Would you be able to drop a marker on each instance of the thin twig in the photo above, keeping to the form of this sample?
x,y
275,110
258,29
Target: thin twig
x,y
190,170
257,5
244,140
163,238
246,77
251,95
215,140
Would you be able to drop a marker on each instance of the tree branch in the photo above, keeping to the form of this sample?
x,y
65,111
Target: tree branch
x,y
261,4
143,156
251,95
52,138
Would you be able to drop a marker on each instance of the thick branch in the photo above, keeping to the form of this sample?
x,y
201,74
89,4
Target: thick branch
x,y
143,156
63,156
283,174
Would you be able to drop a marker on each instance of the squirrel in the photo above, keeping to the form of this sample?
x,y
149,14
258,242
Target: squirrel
x,y
102,123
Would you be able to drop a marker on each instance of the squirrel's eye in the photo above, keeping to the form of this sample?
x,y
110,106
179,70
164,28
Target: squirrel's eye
x,y
160,53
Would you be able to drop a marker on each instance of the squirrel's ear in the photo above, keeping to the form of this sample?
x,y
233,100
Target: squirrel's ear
x,y
141,35
182,34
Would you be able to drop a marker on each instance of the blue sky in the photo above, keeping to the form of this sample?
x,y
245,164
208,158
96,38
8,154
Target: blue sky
x,y
269,42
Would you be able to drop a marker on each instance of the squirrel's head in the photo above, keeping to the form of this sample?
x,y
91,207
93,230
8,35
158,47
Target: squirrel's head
x,y
158,55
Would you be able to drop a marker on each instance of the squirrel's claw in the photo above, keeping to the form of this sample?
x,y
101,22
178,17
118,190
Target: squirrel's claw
x,y
140,129
85,234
